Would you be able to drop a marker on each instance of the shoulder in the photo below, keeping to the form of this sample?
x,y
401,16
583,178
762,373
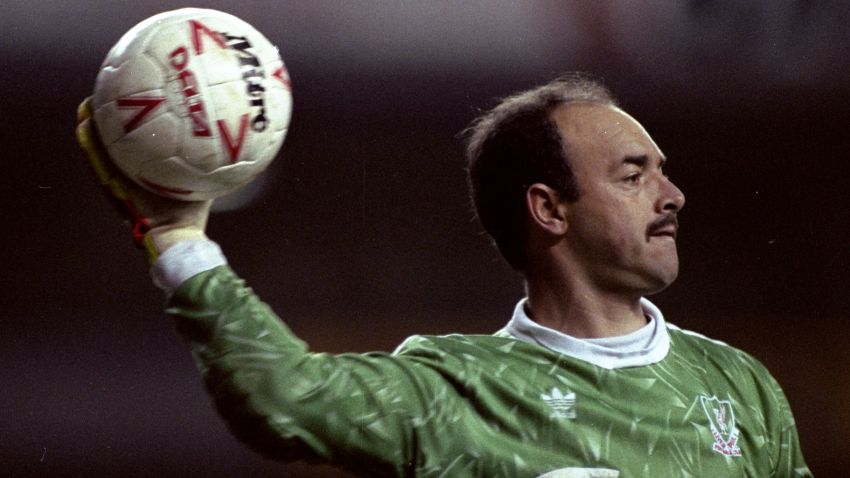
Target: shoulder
x,y
697,345
731,373
458,345
723,362
479,353
689,339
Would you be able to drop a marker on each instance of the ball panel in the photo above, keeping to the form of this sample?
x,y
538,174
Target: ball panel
x,y
172,177
138,74
235,174
216,66
267,151
136,40
147,144
202,154
278,105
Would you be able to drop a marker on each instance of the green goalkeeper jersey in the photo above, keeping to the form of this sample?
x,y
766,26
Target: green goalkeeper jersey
x,y
524,402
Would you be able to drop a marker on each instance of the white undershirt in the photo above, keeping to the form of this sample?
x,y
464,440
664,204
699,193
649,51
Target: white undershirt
x,y
645,346
183,260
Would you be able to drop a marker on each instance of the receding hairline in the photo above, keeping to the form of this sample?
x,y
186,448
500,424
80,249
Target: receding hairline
x,y
566,108
563,110
568,89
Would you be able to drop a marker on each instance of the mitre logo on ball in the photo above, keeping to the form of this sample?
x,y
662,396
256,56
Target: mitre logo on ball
x,y
193,103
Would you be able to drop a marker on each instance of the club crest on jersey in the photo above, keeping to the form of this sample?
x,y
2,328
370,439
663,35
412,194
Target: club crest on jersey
x,y
563,404
721,421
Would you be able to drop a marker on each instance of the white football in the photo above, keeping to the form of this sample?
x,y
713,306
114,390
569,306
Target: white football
x,y
192,103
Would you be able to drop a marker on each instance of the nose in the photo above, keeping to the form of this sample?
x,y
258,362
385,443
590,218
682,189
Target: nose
x,y
671,198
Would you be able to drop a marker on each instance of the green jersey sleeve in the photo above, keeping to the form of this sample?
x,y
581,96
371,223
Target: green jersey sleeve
x,y
790,462
356,410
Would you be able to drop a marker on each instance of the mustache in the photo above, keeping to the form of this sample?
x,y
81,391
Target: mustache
x,y
662,223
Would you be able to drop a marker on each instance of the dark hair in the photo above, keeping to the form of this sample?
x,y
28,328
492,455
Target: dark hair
x,y
517,144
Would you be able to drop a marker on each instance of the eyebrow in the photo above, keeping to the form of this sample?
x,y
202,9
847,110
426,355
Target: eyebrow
x,y
642,160
639,161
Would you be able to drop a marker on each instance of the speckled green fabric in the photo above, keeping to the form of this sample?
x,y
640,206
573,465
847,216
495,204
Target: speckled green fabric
x,y
483,405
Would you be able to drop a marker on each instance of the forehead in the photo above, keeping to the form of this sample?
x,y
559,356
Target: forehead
x,y
602,132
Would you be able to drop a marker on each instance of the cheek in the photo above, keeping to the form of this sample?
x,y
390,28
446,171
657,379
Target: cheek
x,y
610,235
620,226
610,225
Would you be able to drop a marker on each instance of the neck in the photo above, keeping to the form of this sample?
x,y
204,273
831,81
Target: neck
x,y
580,310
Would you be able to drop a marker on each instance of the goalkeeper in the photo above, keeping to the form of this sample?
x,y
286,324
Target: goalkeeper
x,y
587,379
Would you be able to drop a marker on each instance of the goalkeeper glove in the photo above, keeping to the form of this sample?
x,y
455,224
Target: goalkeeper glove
x,y
157,222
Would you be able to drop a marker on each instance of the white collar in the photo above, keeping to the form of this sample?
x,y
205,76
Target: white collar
x,y
645,346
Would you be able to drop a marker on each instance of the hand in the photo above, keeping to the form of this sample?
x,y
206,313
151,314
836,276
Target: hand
x,y
158,222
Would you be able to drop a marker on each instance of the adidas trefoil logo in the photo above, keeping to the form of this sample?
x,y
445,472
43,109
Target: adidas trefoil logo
x,y
562,404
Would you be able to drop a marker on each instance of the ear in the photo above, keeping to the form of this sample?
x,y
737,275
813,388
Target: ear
x,y
546,210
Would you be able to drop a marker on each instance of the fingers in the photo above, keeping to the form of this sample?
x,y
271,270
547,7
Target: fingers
x,y
113,182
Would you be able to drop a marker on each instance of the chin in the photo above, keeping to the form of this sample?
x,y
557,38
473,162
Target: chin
x,y
658,275
661,282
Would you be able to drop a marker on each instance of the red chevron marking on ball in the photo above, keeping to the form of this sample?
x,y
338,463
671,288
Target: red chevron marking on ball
x,y
144,106
197,29
283,76
233,149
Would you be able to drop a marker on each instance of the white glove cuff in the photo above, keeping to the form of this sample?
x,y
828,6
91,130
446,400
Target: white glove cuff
x,y
184,260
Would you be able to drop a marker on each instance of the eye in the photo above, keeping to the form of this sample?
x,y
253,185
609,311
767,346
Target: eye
x,y
633,178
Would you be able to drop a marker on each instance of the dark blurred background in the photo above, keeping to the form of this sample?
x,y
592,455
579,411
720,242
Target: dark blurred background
x,y
362,233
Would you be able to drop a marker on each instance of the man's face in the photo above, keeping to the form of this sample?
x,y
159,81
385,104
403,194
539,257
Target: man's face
x,y
621,233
